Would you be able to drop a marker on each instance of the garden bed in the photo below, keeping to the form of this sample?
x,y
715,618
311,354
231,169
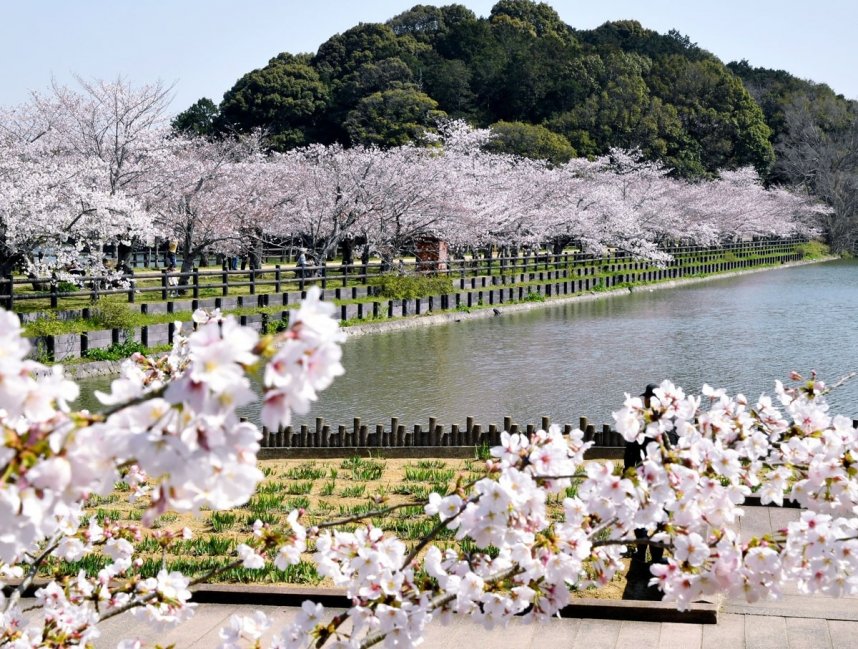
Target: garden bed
x,y
325,490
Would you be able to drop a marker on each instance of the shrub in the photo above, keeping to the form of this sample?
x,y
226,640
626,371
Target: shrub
x,y
406,287
115,352
276,326
813,250
534,297
66,287
48,325
113,315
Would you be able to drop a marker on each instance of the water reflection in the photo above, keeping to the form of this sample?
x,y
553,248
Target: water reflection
x,y
578,359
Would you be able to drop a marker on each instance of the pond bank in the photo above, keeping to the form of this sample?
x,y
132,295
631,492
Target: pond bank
x,y
429,320
78,370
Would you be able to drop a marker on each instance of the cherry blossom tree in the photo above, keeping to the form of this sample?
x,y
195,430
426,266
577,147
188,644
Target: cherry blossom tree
x,y
51,203
737,205
74,167
214,195
95,165
331,201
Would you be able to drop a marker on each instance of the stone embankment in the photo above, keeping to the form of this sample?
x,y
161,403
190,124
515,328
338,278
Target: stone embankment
x,y
472,297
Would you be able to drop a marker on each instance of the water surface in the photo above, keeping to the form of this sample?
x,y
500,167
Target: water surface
x,y
577,359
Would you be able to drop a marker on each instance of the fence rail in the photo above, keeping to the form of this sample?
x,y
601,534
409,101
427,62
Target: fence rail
x,y
162,285
360,303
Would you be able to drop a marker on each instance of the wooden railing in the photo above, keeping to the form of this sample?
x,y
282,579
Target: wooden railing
x,y
162,285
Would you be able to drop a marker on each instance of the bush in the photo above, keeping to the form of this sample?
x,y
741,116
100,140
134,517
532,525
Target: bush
x,y
48,325
115,352
276,326
406,287
67,287
813,250
113,315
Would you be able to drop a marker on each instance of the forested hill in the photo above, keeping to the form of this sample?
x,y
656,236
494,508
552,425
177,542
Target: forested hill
x,y
548,90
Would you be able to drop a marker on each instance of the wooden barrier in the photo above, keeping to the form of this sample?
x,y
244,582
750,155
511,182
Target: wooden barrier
x,y
396,435
533,267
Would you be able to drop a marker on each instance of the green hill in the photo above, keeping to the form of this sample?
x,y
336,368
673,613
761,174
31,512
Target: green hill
x,y
586,91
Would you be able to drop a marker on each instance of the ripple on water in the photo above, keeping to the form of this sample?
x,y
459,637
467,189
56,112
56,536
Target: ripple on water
x,y
577,359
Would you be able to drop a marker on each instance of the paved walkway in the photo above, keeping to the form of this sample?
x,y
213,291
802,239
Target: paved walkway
x,y
793,622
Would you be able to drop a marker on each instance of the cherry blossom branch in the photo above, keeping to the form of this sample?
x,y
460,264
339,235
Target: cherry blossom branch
x,y
360,517
142,600
442,600
439,527
33,571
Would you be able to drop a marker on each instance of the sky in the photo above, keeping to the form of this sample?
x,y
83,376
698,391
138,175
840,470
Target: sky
x,y
203,46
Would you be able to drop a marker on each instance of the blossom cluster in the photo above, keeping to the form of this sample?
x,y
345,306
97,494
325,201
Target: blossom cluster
x,y
169,430
703,457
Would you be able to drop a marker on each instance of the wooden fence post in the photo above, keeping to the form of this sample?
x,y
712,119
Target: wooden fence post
x,y
132,285
9,300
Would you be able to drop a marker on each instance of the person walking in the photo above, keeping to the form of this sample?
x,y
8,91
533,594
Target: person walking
x,y
172,247
302,264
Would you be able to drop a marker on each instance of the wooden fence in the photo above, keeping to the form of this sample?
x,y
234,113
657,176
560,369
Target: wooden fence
x,y
435,434
356,303
154,286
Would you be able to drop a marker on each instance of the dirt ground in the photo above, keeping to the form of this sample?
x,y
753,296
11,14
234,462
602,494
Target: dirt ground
x,y
331,490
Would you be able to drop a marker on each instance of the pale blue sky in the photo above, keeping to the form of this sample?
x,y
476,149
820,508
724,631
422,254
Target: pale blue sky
x,y
203,46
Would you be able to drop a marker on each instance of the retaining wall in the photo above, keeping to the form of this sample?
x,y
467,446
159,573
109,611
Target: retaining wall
x,y
470,292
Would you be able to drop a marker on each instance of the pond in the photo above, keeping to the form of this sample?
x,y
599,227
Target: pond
x,y
578,359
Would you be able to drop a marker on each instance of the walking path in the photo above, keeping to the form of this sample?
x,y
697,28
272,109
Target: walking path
x,y
793,622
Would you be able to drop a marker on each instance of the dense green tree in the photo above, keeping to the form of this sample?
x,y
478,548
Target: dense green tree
x,y
448,81
372,77
631,36
530,141
392,117
427,23
777,90
367,42
540,19
619,85
362,61
615,108
716,112
198,119
286,98
529,68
